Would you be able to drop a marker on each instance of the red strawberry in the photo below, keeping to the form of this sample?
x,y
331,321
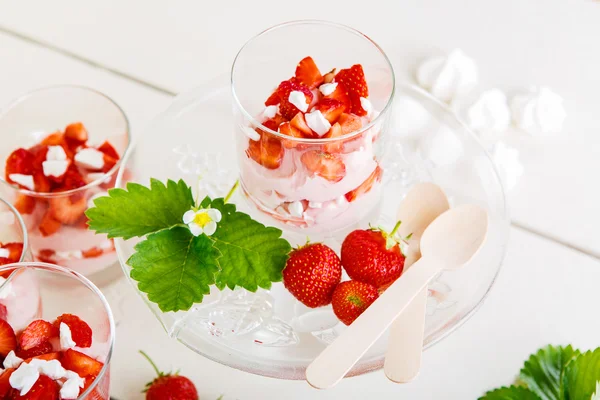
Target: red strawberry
x,y
4,261
8,339
46,255
330,108
308,74
351,298
40,152
349,123
287,129
15,251
72,179
273,99
24,204
76,133
372,256
341,94
46,356
36,351
80,363
45,388
311,274
80,330
268,151
20,161
36,333
5,386
48,225
92,252
326,165
334,132
353,79
41,182
58,139
109,150
67,209
299,123
365,186
169,386
3,313
287,109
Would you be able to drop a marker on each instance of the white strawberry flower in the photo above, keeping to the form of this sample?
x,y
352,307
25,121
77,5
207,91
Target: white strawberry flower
x,y
202,221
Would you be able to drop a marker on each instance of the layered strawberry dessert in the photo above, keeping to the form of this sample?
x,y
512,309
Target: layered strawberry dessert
x,y
59,177
320,169
48,360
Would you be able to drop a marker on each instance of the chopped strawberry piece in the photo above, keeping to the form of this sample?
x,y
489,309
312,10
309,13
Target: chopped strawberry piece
x,y
341,94
37,351
76,133
45,388
40,152
330,108
8,339
366,185
273,99
349,123
68,209
4,261
287,129
24,204
46,255
15,251
80,330
299,123
58,139
308,74
109,150
353,79
326,165
274,122
37,333
80,363
5,386
3,312
54,355
42,183
297,128
19,161
268,151
334,132
287,109
48,225
73,179
92,252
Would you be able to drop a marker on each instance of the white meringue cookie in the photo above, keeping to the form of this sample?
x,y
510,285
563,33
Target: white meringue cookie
x,y
540,111
448,77
490,114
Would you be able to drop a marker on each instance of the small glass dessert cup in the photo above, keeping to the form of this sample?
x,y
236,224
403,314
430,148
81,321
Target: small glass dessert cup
x,y
43,291
13,235
328,177
28,123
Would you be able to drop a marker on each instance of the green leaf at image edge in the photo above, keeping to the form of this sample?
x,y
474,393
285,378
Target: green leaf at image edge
x,y
543,370
175,268
581,376
139,210
510,393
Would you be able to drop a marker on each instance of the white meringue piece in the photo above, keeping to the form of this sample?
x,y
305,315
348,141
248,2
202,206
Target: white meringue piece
x,y
411,118
328,88
7,288
24,378
366,105
56,153
23,180
298,99
442,147
317,122
66,338
540,111
251,133
296,209
489,115
508,164
12,361
448,77
270,111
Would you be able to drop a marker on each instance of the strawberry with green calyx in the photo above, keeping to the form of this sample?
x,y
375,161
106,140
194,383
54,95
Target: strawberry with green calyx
x,y
169,386
373,256
352,298
311,274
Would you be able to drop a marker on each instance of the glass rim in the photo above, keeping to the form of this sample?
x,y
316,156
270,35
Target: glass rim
x,y
19,217
95,182
254,122
82,279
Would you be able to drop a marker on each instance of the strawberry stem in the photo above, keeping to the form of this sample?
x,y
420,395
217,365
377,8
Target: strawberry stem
x,y
232,191
152,363
393,232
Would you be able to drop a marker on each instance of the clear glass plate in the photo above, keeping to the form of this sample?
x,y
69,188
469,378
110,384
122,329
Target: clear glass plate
x,y
269,332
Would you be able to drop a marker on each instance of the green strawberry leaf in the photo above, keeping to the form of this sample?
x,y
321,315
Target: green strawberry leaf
x,y
543,370
510,393
175,268
139,210
253,255
581,376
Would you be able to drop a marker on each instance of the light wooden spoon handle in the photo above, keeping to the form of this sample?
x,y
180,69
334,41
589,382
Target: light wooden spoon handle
x,y
339,357
405,346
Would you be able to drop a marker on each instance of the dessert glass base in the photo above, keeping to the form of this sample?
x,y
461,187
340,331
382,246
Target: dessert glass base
x,y
269,332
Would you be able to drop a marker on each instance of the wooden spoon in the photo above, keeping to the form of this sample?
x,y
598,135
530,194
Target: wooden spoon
x,y
448,243
423,204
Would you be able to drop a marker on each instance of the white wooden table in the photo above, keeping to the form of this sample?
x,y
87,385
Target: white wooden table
x,y
143,52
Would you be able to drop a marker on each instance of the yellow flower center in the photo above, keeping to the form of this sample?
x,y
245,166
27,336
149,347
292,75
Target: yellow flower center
x,y
202,219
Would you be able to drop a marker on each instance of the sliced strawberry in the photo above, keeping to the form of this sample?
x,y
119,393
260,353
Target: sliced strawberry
x,y
55,355
5,386
46,255
4,261
67,209
80,330
58,139
20,161
341,94
287,129
45,388
15,251
8,339
299,123
109,150
41,182
37,333
73,179
37,351
40,152
287,109
349,123
80,363
274,122
308,74
330,108
297,128
334,132
24,204
76,133
268,151
92,252
366,185
353,79
326,165
3,312
48,225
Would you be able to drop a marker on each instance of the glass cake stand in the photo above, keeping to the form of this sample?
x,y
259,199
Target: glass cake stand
x,y
269,333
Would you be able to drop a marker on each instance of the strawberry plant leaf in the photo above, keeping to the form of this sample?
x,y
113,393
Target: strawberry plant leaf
x,y
543,370
510,393
175,268
140,210
581,376
253,255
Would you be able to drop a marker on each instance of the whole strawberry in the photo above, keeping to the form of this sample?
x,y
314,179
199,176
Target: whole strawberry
x,y
351,298
372,256
169,386
312,273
